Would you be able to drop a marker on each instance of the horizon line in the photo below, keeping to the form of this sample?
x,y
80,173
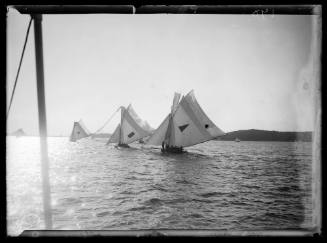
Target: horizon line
x,y
36,135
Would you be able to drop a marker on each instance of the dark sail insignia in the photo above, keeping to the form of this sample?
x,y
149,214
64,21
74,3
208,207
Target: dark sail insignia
x,y
206,125
131,134
182,128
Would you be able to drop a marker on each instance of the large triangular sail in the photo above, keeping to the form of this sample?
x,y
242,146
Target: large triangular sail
x,y
142,123
159,135
177,96
186,125
162,133
114,138
81,123
130,129
191,125
79,131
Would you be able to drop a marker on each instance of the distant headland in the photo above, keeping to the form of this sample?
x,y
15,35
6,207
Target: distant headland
x,y
263,135
18,133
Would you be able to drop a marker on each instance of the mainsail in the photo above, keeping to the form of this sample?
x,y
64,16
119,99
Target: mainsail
x,y
163,132
130,129
115,136
159,135
142,123
79,131
186,125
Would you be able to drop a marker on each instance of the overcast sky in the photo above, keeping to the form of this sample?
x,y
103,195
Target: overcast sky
x,y
247,72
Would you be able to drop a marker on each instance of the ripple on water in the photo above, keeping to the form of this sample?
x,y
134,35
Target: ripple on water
x,y
216,185
102,214
140,208
153,201
69,201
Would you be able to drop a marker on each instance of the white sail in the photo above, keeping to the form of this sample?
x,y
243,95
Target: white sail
x,y
191,125
130,130
78,132
163,132
209,125
114,138
81,123
175,102
186,125
142,123
159,134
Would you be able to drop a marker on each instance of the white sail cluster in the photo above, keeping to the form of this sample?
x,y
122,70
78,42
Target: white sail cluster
x,y
130,129
79,131
186,125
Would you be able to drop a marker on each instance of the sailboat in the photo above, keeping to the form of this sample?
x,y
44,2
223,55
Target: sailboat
x,y
79,131
185,125
130,129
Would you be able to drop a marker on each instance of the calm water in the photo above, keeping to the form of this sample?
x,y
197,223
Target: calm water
x,y
217,185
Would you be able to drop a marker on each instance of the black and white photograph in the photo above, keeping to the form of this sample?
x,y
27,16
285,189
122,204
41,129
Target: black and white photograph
x,y
163,120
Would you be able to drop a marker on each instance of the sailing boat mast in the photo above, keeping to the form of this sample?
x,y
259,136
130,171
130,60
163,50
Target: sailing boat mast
x,y
168,143
121,123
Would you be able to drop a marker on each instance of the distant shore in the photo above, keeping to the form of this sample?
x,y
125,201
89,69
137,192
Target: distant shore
x,y
263,135
242,135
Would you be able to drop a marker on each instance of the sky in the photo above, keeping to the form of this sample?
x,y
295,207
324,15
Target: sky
x,y
247,71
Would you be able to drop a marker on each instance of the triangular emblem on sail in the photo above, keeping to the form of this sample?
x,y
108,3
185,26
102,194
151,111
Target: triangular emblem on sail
x,y
187,125
131,128
79,131
182,128
131,134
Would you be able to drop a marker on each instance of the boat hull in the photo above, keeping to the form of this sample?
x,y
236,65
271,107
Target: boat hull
x,y
174,150
123,145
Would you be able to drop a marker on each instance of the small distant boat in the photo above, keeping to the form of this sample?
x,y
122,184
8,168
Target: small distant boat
x,y
130,129
237,140
79,131
185,125
19,133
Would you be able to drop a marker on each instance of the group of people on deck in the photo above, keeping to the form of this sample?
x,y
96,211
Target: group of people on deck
x,y
166,147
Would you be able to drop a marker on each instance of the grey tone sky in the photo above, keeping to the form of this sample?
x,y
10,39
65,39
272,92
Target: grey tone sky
x,y
247,71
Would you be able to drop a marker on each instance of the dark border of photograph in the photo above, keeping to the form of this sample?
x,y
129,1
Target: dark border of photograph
x,y
258,11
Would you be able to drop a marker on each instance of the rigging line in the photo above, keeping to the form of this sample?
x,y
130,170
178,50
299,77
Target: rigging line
x,y
20,64
107,120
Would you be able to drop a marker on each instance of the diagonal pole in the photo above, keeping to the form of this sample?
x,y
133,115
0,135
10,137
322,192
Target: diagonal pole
x,y
20,65
42,121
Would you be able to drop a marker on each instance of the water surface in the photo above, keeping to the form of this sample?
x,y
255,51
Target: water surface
x,y
216,185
